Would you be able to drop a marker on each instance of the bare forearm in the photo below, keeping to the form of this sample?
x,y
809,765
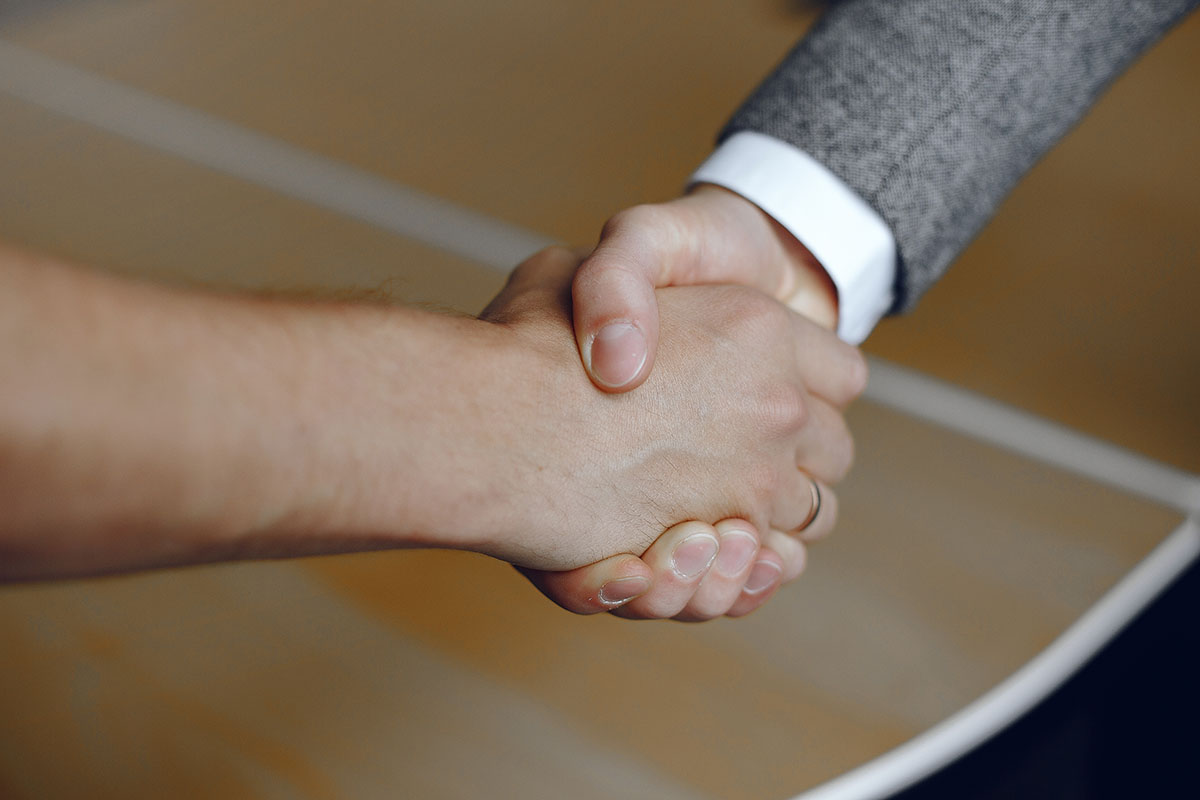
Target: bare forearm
x,y
144,427
141,426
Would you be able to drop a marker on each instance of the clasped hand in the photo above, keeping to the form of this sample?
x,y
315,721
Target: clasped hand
x,y
686,494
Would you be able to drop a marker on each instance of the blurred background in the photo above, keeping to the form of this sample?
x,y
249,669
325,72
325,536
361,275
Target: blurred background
x,y
444,674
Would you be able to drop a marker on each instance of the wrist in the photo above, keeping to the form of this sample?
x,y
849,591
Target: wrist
x,y
400,411
814,293
806,286
414,429
148,427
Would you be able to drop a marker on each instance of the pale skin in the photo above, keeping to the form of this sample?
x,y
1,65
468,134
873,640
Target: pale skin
x,y
709,236
144,427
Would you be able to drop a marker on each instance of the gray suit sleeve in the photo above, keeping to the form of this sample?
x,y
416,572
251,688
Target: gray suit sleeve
x,y
933,109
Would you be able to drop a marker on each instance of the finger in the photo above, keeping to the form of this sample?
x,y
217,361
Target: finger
x,y
710,236
549,269
792,552
722,585
825,449
601,586
832,369
764,579
615,310
783,557
679,559
795,501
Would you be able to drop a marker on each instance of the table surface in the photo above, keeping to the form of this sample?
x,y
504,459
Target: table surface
x,y
436,674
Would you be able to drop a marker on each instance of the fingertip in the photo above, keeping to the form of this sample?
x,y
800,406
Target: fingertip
x,y
797,561
603,586
765,578
739,546
679,560
616,318
791,552
616,356
621,590
621,579
722,585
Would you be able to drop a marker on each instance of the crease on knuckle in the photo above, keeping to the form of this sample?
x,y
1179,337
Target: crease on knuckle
x,y
762,481
744,316
782,409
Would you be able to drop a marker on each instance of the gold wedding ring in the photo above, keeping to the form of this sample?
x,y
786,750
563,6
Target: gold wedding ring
x,y
816,507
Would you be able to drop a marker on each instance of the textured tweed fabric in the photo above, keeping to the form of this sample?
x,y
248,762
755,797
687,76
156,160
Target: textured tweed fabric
x,y
933,109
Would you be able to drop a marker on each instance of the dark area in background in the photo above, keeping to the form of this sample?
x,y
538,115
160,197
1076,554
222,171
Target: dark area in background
x,y
1127,726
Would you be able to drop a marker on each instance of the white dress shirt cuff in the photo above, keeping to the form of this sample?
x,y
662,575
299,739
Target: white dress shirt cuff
x,y
852,242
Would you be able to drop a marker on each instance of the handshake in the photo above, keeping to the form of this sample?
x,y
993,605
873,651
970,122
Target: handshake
x,y
685,479
645,429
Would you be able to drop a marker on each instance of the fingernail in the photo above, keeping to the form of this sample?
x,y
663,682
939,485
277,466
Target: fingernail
x,y
622,590
762,577
693,555
737,548
618,353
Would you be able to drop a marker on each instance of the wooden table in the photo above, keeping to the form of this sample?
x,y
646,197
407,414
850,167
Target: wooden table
x,y
435,674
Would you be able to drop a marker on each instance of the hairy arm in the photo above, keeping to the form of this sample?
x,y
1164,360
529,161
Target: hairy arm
x,y
143,426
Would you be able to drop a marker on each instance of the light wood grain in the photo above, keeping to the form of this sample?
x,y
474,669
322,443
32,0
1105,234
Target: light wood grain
x,y
1075,303
445,675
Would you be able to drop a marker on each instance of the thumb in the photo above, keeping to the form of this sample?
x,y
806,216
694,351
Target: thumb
x,y
601,586
706,237
614,306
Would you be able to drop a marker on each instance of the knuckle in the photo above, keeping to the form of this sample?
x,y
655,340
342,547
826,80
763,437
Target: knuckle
x,y
840,452
622,220
522,271
550,266
794,556
635,220
556,252
783,408
857,373
775,319
752,316
762,483
645,238
599,279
